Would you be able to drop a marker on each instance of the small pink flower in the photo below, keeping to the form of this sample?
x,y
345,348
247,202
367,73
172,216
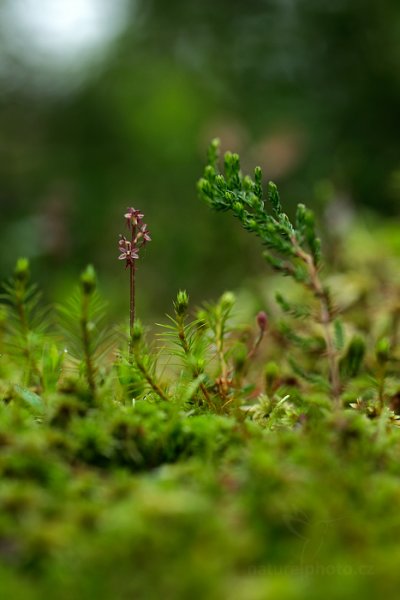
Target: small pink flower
x,y
128,252
144,234
133,217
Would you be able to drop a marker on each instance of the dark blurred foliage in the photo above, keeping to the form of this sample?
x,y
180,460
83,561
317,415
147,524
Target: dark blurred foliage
x,y
309,89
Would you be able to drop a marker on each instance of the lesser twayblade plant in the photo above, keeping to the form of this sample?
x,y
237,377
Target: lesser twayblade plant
x,y
129,252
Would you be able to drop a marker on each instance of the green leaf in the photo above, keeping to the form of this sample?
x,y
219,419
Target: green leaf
x,y
31,399
339,334
273,197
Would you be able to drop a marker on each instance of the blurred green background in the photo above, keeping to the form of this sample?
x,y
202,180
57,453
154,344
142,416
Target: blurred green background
x,y
109,104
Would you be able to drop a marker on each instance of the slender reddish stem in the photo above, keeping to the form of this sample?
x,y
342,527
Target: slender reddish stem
x,y
132,305
132,296
326,319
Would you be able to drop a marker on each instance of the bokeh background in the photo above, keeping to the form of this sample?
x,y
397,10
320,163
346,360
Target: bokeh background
x,y
108,104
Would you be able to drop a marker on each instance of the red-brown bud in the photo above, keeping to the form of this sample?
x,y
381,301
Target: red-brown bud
x,y
262,320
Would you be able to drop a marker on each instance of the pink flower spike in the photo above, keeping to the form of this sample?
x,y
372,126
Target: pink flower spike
x,y
129,252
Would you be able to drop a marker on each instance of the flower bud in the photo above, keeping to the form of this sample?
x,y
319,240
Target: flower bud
x,y
262,320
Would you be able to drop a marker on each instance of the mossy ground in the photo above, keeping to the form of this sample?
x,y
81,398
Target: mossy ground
x,y
147,502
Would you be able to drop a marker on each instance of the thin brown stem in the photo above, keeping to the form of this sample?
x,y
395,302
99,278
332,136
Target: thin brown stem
x,y
132,306
325,317
256,345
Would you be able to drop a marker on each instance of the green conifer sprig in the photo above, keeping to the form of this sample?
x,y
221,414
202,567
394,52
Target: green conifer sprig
x,y
244,197
294,249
